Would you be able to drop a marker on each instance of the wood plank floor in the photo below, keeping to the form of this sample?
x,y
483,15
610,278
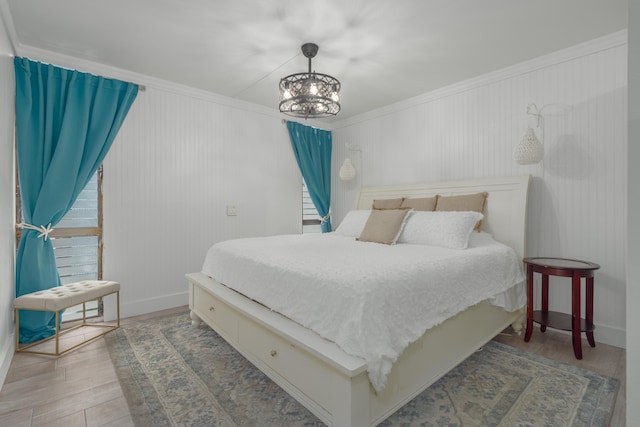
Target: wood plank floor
x,y
81,387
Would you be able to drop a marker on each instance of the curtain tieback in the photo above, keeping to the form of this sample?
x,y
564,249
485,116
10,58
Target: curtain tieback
x,y
44,231
325,218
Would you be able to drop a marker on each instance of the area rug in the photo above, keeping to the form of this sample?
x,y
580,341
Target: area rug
x,y
173,374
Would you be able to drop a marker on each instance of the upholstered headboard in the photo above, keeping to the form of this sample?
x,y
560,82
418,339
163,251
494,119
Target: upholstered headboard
x,y
505,212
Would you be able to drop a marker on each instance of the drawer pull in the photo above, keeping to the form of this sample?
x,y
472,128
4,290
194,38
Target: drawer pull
x,y
212,308
274,353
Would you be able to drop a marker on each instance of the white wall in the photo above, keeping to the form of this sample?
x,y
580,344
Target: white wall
x,y
578,194
7,204
633,251
176,164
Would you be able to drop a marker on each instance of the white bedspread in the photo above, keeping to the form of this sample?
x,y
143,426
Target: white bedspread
x,y
371,299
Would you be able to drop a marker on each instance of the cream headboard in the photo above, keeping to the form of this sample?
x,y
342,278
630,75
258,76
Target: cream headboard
x,y
505,213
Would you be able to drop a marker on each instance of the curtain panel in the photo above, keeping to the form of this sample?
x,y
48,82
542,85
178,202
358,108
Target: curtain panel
x,y
66,122
312,148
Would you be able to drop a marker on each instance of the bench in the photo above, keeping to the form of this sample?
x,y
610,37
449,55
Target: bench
x,y
59,298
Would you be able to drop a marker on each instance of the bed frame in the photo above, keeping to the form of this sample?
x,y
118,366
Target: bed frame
x,y
334,385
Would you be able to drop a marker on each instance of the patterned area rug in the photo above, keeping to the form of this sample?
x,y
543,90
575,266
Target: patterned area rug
x,y
174,374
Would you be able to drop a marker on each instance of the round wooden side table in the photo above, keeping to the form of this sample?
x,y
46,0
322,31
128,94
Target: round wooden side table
x,y
576,270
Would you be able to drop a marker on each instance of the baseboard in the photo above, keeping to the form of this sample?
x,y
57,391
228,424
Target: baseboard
x,y
6,355
605,335
149,305
612,336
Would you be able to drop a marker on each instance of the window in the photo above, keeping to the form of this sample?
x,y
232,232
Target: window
x,y
310,218
77,242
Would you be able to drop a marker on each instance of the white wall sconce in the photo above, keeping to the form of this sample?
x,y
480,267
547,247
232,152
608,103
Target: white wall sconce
x,y
530,150
347,171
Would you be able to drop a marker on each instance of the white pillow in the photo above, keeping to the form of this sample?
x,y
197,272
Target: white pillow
x,y
447,229
353,223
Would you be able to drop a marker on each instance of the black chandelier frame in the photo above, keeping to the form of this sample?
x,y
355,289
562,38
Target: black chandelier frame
x,y
309,94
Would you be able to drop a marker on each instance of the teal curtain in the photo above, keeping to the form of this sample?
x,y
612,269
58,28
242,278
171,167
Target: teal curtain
x,y
66,122
312,148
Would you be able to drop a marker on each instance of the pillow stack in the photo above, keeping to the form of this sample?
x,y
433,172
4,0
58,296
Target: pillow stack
x,y
445,221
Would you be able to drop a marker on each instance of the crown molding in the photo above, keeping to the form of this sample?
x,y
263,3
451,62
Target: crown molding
x,y
68,61
71,62
610,41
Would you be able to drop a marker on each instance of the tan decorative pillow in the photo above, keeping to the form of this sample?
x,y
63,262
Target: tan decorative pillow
x,y
384,225
388,203
420,203
467,202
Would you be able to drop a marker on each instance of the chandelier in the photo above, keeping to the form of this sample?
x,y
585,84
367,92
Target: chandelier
x,y
309,94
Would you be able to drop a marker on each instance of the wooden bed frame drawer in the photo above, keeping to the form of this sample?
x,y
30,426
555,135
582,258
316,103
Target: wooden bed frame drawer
x,y
302,370
211,309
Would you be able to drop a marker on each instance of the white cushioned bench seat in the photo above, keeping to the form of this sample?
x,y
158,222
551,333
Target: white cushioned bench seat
x,y
61,297
65,296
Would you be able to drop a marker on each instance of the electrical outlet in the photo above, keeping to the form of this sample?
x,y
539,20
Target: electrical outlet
x,y
231,210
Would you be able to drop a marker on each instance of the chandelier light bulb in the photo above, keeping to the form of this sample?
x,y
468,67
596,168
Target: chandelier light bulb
x,y
313,89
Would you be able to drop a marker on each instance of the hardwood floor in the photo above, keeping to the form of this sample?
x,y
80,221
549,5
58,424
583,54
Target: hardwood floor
x,y
81,387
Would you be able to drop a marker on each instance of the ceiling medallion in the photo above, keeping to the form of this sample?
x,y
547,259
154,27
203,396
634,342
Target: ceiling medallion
x,y
309,94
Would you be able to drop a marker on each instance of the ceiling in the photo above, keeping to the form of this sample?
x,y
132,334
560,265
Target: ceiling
x,y
382,51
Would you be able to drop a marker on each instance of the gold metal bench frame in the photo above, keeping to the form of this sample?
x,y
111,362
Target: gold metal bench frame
x,y
109,326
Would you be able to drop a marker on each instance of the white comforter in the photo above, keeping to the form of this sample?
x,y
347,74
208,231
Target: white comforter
x,y
372,300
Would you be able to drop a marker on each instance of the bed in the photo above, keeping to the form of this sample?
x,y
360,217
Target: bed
x,y
336,386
